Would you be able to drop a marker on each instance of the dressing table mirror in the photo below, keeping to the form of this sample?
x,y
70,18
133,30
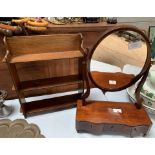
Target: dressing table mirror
x,y
124,57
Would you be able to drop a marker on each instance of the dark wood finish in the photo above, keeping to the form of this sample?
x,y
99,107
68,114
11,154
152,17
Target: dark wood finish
x,y
54,68
49,105
76,28
103,79
24,49
143,72
52,82
99,117
145,67
16,81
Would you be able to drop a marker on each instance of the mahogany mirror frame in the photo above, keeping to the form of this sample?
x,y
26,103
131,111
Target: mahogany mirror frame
x,y
142,75
98,117
145,67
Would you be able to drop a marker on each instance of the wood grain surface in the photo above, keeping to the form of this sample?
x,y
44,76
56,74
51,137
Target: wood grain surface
x,y
52,68
104,117
103,112
24,49
110,81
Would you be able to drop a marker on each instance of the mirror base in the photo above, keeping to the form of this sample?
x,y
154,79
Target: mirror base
x,y
100,117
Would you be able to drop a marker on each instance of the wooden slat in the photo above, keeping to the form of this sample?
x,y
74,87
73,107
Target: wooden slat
x,y
45,56
53,104
50,82
43,43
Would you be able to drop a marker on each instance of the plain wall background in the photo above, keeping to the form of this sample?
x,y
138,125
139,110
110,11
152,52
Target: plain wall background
x,y
141,22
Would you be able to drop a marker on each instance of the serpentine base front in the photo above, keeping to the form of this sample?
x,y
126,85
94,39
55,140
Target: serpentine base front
x,y
103,117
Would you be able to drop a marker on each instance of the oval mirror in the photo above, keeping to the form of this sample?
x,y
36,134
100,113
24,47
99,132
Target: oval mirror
x,y
118,59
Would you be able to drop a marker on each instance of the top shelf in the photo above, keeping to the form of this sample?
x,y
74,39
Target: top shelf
x,y
43,47
45,56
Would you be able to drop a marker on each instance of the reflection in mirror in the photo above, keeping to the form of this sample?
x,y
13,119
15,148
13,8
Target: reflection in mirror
x,y
118,59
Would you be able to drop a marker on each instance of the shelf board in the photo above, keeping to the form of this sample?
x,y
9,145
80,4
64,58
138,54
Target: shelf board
x,y
51,105
103,79
50,82
44,56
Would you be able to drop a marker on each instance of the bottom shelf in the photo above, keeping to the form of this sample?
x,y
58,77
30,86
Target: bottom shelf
x,y
50,105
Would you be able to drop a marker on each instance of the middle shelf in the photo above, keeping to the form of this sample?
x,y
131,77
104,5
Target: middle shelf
x,y
50,82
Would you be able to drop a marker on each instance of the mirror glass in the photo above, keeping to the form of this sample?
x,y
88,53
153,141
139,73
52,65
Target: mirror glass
x,y
117,59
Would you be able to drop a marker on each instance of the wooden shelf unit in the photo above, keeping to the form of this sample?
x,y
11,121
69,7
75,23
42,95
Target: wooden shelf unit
x,y
91,32
25,49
